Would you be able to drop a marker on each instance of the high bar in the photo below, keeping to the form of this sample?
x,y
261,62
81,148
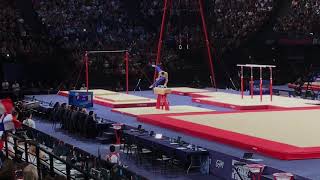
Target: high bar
x,y
256,65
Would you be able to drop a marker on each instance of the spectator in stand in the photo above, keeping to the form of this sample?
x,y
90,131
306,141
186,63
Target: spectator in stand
x,y
30,172
60,150
10,145
7,169
5,85
10,121
29,122
16,86
16,90
83,87
32,155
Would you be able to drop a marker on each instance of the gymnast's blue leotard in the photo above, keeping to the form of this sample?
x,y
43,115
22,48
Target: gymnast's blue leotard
x,y
161,80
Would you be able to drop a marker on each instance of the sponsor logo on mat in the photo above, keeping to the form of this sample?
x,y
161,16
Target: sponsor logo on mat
x,y
243,172
219,164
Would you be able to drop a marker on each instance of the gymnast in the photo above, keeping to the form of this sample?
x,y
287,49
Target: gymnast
x,y
162,79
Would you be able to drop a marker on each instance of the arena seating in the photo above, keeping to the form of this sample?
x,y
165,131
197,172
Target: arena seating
x,y
301,19
61,159
15,36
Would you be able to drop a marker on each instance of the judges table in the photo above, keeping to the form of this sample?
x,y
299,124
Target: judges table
x,y
45,107
103,124
192,157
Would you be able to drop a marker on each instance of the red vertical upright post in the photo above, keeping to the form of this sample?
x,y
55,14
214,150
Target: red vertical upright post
x,y
161,35
87,70
251,82
270,83
204,27
127,71
260,84
241,79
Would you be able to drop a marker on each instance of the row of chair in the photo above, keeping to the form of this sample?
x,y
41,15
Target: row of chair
x,y
149,154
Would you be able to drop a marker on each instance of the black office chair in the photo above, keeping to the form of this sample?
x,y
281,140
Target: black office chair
x,y
143,152
129,146
159,158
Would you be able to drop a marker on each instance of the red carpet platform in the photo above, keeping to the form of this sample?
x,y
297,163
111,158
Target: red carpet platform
x,y
283,134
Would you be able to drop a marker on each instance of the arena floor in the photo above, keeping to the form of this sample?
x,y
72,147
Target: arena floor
x,y
283,134
304,168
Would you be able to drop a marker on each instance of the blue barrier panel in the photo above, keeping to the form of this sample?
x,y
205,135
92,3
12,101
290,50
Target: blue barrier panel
x,y
81,99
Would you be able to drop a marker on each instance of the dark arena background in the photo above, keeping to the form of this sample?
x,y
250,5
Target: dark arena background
x,y
160,89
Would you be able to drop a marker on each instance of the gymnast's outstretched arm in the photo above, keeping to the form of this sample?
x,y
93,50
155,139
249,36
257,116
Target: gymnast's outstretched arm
x,y
158,68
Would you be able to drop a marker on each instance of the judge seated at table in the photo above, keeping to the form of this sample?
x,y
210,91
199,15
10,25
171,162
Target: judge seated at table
x,y
91,125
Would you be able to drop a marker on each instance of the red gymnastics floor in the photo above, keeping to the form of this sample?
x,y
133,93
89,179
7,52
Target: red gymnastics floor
x,y
117,100
285,134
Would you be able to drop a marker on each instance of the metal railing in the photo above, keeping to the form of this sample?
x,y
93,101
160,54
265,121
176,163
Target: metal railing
x,y
60,166
51,161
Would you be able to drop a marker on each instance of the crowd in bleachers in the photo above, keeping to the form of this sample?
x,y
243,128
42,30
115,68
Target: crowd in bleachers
x,y
302,18
81,25
93,25
19,86
15,38
96,25
237,20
